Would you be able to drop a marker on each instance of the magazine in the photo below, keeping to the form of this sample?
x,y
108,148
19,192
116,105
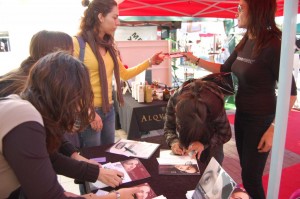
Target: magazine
x,y
133,170
133,148
214,183
171,164
145,192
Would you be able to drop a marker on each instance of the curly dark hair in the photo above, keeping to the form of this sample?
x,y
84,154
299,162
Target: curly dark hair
x,y
90,29
58,86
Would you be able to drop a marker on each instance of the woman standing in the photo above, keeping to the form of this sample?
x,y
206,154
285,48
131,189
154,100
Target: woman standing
x,y
97,28
255,62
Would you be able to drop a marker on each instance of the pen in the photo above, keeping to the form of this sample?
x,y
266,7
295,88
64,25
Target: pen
x,y
122,177
131,151
191,153
172,53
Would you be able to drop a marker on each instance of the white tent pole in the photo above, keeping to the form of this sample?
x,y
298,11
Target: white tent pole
x,y
284,91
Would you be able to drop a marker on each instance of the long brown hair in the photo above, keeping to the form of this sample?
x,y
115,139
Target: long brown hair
x,y
89,30
58,86
194,112
90,22
261,24
42,43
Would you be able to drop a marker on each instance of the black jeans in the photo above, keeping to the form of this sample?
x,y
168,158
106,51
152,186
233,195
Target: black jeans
x,y
248,131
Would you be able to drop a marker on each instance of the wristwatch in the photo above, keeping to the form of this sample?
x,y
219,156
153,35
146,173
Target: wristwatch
x,y
118,195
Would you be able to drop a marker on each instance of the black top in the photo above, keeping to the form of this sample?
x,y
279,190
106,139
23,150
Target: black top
x,y
24,148
67,148
257,78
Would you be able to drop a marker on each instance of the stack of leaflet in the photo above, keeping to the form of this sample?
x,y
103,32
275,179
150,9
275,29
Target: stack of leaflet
x,y
131,148
132,169
145,191
171,164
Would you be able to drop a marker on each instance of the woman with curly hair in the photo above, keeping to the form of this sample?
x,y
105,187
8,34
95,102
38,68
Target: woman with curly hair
x,y
97,28
56,94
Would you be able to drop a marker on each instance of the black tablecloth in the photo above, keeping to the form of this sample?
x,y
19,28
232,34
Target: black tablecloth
x,y
172,187
141,117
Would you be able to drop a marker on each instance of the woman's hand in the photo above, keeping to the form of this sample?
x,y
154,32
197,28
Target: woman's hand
x,y
190,57
157,58
77,156
195,149
97,124
176,149
125,193
111,177
266,140
128,193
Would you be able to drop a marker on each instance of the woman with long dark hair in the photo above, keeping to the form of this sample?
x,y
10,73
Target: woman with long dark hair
x,y
97,27
42,43
56,94
255,62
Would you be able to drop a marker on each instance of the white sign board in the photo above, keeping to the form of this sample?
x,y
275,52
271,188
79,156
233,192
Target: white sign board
x,y
125,33
135,52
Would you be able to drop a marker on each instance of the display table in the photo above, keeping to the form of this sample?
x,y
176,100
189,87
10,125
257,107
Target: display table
x,y
141,117
171,187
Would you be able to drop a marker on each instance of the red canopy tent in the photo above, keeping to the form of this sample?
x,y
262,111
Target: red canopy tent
x,y
228,9
185,8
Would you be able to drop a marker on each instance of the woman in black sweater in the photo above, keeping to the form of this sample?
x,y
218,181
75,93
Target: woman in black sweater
x,y
255,62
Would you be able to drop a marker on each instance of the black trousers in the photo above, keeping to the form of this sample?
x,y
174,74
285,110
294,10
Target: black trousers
x,y
217,152
248,131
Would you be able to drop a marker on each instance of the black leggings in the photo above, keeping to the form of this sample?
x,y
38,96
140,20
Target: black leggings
x,y
248,132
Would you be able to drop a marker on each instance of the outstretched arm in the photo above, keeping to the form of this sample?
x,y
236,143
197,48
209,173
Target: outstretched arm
x,y
210,66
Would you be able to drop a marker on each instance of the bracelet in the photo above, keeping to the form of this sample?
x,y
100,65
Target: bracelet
x,y
150,61
197,62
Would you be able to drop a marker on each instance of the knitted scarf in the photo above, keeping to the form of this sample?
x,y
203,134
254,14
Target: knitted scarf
x,y
95,44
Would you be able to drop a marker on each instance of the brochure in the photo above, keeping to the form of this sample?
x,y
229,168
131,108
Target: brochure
x,y
133,170
171,164
133,148
145,192
214,183
174,54
237,193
